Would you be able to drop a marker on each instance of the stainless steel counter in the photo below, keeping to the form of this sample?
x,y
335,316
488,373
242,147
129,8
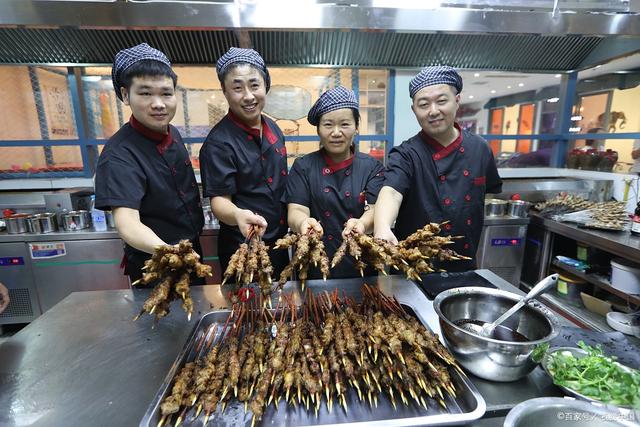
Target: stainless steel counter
x,y
621,243
87,234
85,362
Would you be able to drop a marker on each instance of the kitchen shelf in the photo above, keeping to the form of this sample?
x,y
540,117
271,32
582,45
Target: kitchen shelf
x,y
598,281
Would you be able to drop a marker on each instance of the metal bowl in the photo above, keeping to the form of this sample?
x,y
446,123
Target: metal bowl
x,y
42,223
563,412
518,208
17,223
577,353
490,358
495,207
75,220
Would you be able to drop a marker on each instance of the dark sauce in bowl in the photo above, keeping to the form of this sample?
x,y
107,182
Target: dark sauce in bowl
x,y
501,333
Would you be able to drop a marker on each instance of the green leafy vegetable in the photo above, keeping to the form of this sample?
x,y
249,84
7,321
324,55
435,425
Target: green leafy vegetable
x,y
596,375
538,353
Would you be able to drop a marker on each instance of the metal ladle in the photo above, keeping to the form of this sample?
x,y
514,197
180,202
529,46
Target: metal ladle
x,y
486,329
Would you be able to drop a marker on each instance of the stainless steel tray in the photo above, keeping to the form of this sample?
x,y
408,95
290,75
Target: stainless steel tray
x,y
466,407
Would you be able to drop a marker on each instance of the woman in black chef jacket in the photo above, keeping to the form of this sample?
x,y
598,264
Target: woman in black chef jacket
x,y
333,190
243,162
144,173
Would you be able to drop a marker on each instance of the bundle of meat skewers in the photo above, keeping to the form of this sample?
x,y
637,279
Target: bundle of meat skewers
x,y
250,261
171,267
329,348
413,256
309,250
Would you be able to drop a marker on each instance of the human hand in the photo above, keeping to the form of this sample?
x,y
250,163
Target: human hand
x,y
353,225
386,234
247,219
311,224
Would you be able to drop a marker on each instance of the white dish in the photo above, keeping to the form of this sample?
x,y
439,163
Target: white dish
x,y
626,323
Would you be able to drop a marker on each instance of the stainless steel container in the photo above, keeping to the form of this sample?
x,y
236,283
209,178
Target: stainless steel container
x,y
563,412
489,358
17,223
518,208
42,223
75,220
111,222
495,207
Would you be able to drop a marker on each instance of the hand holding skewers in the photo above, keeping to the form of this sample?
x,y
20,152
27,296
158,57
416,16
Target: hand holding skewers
x,y
172,266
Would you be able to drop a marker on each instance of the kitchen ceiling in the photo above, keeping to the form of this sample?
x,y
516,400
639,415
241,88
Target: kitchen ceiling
x,y
314,33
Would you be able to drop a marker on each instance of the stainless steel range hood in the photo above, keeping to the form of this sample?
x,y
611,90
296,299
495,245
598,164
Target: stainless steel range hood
x,y
524,36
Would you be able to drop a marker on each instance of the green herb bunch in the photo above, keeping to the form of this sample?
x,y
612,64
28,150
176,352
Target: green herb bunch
x,y
597,376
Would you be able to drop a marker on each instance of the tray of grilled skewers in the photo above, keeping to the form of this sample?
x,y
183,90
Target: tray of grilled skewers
x,y
334,359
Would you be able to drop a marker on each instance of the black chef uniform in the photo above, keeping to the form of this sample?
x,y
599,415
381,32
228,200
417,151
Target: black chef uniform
x,y
335,192
152,173
444,183
235,162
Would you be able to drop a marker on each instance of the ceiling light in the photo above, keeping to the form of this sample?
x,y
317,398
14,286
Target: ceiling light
x,y
476,75
557,76
575,129
508,87
493,91
552,100
470,96
520,84
576,118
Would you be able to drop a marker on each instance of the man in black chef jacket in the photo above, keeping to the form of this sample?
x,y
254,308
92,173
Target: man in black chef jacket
x,y
440,174
243,162
144,173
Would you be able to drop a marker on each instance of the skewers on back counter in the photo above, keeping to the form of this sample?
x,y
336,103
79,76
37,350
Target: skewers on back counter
x,y
314,354
172,266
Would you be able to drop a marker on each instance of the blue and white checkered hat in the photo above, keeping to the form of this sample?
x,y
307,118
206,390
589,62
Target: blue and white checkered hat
x,y
237,55
127,57
333,99
436,75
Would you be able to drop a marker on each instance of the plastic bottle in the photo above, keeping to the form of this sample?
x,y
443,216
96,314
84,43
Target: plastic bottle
x,y
635,223
98,217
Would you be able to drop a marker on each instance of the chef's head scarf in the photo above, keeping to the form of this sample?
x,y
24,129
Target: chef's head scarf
x,y
334,99
237,55
436,75
127,57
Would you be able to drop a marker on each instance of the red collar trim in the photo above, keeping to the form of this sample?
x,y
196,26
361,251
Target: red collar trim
x,y
332,167
441,150
266,130
163,140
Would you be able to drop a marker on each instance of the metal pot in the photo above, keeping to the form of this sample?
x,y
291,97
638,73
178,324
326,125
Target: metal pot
x,y
75,220
495,207
562,412
518,208
42,223
490,358
17,223
111,222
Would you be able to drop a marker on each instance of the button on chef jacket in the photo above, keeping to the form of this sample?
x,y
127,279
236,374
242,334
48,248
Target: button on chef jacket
x,y
335,192
152,173
235,162
444,183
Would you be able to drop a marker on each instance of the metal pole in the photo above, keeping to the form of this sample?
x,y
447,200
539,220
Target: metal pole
x,y
565,109
89,152
42,116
